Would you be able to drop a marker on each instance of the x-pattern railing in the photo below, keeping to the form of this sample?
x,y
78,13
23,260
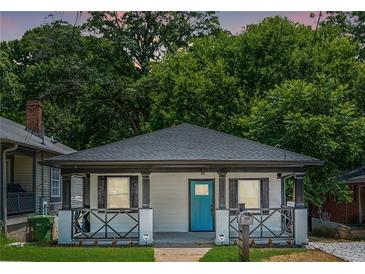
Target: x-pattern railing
x,y
81,223
261,218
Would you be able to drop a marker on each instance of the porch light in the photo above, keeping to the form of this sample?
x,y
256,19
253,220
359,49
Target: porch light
x,y
221,238
146,237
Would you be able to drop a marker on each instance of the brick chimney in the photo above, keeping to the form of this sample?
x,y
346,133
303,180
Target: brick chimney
x,y
35,118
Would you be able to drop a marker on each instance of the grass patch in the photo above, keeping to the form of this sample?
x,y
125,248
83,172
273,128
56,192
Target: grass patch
x,y
3,240
43,253
230,253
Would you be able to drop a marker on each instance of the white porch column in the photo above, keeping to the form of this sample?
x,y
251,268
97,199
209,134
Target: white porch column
x,y
145,226
300,226
222,226
64,227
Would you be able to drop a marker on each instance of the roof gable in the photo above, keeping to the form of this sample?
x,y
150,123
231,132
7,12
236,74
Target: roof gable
x,y
184,142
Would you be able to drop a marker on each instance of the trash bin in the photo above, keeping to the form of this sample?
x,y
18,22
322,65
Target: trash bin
x,y
42,227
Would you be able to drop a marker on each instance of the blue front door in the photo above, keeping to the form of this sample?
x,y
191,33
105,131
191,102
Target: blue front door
x,y
201,205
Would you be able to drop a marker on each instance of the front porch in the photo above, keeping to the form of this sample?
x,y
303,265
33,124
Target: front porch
x,y
20,168
163,215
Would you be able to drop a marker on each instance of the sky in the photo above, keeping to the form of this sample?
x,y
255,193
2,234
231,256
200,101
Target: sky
x,y
14,24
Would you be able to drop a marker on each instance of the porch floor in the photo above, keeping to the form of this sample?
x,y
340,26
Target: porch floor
x,y
159,238
177,238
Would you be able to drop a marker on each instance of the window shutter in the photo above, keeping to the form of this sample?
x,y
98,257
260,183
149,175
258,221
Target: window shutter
x,y
264,193
233,193
101,192
133,191
86,191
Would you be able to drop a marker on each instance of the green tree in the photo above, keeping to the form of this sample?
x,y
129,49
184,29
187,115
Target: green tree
x,y
279,83
81,80
146,36
313,119
350,23
196,85
10,88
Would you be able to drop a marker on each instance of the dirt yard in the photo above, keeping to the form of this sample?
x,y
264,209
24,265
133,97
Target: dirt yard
x,y
308,256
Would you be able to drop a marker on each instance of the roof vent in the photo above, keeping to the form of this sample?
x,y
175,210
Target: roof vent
x,y
53,140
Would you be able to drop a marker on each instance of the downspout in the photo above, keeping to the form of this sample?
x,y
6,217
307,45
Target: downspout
x,y
4,187
42,187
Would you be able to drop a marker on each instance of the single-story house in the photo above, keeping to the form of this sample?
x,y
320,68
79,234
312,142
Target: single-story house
x,y
349,213
28,188
182,183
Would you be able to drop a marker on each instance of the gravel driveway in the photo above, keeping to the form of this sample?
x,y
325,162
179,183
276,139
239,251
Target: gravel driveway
x,y
348,251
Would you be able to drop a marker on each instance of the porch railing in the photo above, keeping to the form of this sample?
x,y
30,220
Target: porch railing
x,y
275,223
20,202
97,223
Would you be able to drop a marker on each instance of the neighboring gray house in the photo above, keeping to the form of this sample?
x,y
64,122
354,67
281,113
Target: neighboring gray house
x,y
28,187
182,184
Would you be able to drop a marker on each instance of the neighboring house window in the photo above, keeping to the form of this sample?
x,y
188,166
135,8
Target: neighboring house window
x,y
55,182
117,192
249,193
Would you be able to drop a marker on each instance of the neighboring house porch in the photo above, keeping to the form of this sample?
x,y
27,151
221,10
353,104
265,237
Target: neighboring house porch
x,y
348,213
21,181
26,186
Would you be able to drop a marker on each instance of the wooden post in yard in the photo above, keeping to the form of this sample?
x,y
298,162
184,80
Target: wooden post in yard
x,y
244,243
244,220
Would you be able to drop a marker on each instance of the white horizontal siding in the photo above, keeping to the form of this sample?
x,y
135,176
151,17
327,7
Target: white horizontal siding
x,y
23,175
170,198
43,181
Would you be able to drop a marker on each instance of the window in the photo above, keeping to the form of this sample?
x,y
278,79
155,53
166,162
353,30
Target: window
x,y
55,182
201,190
249,193
118,192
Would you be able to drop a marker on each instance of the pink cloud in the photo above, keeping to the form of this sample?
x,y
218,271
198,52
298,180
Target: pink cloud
x,y
303,17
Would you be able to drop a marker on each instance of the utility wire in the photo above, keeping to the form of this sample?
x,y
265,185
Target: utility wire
x,y
58,32
314,39
78,15
310,53
311,48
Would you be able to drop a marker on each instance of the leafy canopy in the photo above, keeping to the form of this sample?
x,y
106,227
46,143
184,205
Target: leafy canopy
x,y
274,85
122,74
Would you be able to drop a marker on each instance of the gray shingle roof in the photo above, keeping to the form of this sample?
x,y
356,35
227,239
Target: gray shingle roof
x,y
11,131
184,142
355,175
